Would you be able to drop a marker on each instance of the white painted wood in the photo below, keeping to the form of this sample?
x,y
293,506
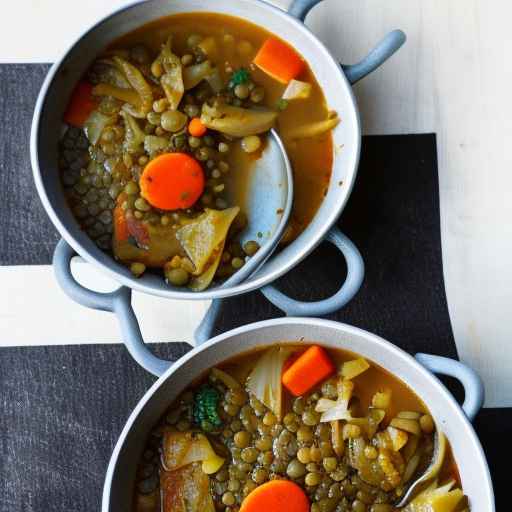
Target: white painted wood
x,y
49,317
454,78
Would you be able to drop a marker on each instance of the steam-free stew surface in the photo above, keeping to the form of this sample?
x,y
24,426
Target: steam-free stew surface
x,y
311,159
164,130
352,442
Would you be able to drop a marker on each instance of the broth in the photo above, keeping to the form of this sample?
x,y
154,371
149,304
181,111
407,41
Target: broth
x,y
257,447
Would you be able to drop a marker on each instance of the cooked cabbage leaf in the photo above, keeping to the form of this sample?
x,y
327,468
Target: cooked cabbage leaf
x,y
193,75
95,124
264,382
172,79
236,121
203,238
436,499
312,129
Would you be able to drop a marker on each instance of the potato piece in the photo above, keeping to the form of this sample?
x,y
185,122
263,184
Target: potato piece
x,y
398,437
411,426
186,489
351,369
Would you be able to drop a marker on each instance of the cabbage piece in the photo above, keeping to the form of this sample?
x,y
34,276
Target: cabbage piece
x,y
337,410
95,124
264,382
185,490
125,95
312,129
183,448
193,75
172,79
136,79
202,238
398,437
201,282
229,381
133,134
297,90
436,499
236,121
105,71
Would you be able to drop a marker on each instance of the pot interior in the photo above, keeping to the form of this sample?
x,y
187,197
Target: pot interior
x,y
64,75
447,414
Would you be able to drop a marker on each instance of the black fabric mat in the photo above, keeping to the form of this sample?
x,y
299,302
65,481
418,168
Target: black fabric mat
x,y
61,408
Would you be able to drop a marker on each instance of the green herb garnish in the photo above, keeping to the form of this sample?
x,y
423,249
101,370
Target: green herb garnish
x,y
239,77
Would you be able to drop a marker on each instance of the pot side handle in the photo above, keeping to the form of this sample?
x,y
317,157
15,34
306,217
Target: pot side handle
x,y
118,302
380,54
474,392
353,281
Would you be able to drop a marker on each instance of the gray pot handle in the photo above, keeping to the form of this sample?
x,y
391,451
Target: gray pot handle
x,y
474,392
353,281
292,307
380,54
118,302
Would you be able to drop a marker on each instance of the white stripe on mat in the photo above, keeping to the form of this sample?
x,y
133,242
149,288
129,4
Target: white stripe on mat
x,y
35,311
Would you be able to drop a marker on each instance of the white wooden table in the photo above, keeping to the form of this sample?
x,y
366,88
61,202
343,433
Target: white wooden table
x,y
453,78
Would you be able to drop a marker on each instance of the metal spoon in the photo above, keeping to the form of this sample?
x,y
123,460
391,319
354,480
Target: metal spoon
x,y
268,208
430,473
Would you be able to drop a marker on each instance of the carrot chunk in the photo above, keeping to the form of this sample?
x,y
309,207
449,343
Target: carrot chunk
x,y
172,181
276,496
308,370
279,60
81,104
196,128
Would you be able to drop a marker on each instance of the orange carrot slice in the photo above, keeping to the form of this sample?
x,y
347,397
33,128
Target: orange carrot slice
x,y
276,496
196,128
308,370
81,104
279,60
172,181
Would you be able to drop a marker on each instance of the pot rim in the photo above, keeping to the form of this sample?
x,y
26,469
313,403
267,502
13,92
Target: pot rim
x,y
259,279
373,339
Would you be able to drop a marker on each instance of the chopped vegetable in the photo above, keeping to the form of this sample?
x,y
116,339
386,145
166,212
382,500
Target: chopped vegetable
x,y
172,79
279,60
351,369
81,104
127,228
239,77
138,82
276,496
193,75
186,489
95,124
172,181
398,437
265,379
236,121
205,412
203,238
338,410
338,444
313,129
125,95
411,426
436,499
154,144
133,134
297,90
382,399
183,448
311,368
196,127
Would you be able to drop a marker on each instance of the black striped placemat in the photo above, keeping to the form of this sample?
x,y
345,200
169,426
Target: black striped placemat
x,y
62,407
